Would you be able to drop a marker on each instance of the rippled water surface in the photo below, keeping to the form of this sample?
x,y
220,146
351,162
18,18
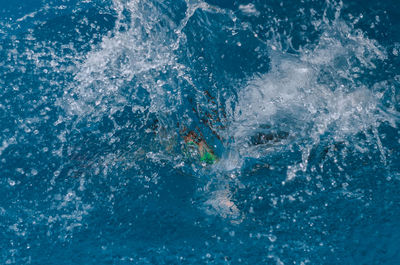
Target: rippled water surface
x,y
299,100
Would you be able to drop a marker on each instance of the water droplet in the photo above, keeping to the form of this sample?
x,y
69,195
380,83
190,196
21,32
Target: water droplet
x,y
11,182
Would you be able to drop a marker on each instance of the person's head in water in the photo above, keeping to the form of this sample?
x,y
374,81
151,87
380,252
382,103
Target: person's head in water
x,y
206,153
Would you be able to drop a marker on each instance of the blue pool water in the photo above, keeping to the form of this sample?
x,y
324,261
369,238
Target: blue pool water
x,y
300,101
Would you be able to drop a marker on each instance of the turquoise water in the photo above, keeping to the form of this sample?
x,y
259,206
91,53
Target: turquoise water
x,y
299,100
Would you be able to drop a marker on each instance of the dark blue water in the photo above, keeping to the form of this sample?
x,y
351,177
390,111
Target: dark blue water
x,y
300,100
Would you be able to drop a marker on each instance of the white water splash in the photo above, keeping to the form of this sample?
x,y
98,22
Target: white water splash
x,y
311,94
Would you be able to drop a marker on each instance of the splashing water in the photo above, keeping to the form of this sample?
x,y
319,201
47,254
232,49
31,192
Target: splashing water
x,y
299,102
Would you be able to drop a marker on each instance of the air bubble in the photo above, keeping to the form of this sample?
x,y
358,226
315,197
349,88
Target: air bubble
x,y
11,182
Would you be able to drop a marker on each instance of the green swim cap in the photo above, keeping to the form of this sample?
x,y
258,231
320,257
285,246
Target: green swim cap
x,y
208,157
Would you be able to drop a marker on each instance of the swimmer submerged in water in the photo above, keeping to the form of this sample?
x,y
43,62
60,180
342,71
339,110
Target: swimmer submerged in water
x,y
205,152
